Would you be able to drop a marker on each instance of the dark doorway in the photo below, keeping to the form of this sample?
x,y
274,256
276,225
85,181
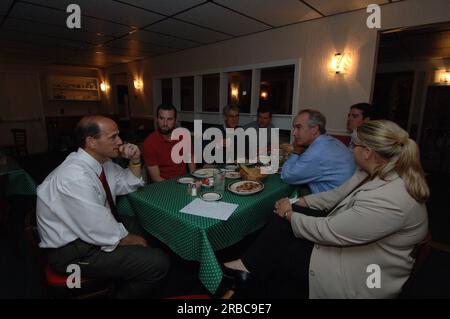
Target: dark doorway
x,y
408,92
119,83
407,61
122,100
392,97
435,142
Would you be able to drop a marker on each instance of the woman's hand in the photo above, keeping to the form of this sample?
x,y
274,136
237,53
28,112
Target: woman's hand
x,y
282,206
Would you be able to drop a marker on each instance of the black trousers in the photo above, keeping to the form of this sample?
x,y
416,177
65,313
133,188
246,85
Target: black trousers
x,y
138,269
279,260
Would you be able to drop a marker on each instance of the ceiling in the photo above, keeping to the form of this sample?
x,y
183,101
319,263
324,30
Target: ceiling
x,y
121,31
425,43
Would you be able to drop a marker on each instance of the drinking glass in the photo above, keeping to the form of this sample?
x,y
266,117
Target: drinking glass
x,y
219,181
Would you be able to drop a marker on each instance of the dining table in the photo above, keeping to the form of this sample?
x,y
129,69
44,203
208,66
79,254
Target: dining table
x,y
197,238
14,180
17,180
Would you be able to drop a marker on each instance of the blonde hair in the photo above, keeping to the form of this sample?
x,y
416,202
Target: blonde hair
x,y
401,153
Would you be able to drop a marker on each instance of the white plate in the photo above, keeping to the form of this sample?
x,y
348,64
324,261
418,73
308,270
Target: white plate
x,y
230,168
235,187
204,172
211,196
185,180
232,175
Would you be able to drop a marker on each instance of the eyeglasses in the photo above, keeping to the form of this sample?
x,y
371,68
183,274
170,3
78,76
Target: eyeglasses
x,y
354,145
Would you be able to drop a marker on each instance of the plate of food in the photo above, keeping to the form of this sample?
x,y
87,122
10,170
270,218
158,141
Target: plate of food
x,y
233,175
207,182
211,196
185,180
204,172
245,187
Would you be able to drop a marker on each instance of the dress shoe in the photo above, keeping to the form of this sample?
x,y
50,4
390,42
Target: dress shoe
x,y
239,275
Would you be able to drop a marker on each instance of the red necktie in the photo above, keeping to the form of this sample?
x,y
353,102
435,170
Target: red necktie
x,y
112,206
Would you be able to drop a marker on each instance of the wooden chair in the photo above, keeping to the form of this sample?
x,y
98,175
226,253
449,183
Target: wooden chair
x,y
420,253
54,284
420,272
439,246
343,138
20,142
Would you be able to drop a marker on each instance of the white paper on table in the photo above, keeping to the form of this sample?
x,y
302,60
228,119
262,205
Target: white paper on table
x,y
216,210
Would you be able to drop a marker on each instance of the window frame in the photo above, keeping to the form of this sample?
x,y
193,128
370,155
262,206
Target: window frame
x,y
282,121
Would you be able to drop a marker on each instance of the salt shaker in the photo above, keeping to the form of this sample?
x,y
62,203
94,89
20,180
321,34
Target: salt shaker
x,y
189,189
194,189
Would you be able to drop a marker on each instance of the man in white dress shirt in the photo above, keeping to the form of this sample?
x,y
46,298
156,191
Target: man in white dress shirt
x,y
77,218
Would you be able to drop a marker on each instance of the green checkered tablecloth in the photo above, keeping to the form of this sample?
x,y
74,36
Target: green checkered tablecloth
x,y
158,205
19,182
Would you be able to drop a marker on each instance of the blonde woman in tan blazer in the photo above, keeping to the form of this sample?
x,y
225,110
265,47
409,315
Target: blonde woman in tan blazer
x,y
362,247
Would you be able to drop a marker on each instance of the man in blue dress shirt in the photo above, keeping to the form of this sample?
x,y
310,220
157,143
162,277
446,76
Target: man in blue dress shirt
x,y
318,160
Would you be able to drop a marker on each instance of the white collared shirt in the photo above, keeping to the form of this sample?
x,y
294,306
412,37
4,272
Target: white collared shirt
x,y
72,203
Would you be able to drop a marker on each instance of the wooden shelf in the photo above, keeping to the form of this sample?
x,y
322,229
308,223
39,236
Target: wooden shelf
x,y
73,88
72,99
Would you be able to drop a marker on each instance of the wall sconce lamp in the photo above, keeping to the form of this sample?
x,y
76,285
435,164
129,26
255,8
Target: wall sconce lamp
x,y
444,77
340,63
234,92
138,84
264,95
104,87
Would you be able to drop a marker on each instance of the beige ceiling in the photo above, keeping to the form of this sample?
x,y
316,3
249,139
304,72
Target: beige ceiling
x,y
120,31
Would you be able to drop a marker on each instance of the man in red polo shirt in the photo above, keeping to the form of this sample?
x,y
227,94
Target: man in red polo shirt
x,y
158,147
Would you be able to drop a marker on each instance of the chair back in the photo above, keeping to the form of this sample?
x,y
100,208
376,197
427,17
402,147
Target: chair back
x,y
20,142
343,138
420,254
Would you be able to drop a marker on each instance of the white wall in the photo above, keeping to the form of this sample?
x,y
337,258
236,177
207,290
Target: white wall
x,y
313,42
21,107
56,108
24,102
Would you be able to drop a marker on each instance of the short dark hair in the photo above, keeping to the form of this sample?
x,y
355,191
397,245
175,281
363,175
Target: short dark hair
x,y
228,108
166,107
86,127
265,109
365,108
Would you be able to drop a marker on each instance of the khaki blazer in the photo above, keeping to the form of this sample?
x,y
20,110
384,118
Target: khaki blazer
x,y
378,224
